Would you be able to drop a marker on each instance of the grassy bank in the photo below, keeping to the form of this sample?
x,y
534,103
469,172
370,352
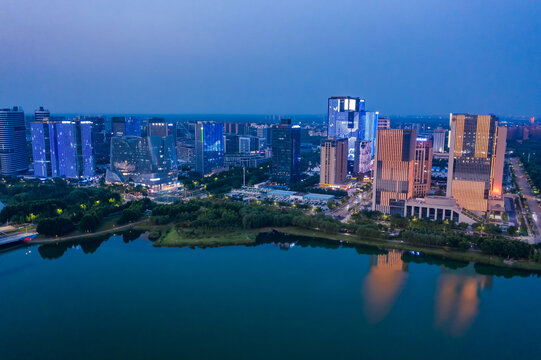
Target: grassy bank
x,y
173,238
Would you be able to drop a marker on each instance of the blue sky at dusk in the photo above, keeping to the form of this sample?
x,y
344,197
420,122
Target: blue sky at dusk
x,y
237,56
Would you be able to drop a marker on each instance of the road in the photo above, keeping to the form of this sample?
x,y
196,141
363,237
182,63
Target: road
x,y
531,201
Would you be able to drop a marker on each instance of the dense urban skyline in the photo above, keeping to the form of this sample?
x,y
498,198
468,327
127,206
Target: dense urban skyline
x,y
270,57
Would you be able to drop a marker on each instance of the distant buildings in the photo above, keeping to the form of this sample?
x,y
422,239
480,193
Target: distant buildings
x,y
422,169
476,159
333,162
209,147
62,148
393,174
286,152
13,151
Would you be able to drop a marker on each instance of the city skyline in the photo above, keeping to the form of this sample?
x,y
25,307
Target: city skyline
x,y
278,58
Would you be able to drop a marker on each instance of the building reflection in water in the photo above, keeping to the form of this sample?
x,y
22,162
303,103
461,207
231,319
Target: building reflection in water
x,y
383,284
457,298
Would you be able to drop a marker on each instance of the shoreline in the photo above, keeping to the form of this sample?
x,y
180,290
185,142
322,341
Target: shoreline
x,y
169,237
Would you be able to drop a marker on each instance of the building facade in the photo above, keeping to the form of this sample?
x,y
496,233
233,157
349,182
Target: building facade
x,y
333,162
286,152
363,158
422,169
438,138
209,147
476,158
393,172
384,123
13,151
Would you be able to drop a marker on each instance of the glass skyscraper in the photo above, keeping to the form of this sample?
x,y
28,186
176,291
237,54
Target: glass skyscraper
x,y
286,152
62,148
347,118
13,152
209,147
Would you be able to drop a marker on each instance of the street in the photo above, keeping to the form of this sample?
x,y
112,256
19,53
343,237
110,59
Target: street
x,y
531,200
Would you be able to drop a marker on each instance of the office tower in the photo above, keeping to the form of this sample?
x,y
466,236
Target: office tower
x,y
40,131
286,152
476,156
333,162
231,144
422,169
237,128
41,114
363,156
62,148
384,123
209,147
344,120
393,173
369,125
13,151
439,140
157,127
244,145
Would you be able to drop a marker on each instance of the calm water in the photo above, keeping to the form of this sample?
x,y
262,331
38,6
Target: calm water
x,y
116,300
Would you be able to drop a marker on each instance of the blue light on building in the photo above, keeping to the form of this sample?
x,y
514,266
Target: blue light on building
x,y
209,147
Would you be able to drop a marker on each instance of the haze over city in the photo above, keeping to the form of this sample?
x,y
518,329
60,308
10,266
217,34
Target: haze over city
x,y
414,57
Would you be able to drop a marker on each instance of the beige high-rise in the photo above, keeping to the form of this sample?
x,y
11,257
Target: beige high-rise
x,y
422,169
334,164
393,171
476,160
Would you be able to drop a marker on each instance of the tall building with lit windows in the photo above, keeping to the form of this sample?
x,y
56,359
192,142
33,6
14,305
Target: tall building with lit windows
x,y
13,151
333,162
62,148
286,152
422,169
393,171
476,160
209,147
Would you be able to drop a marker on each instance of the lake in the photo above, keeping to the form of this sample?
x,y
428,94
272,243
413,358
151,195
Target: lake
x,y
124,298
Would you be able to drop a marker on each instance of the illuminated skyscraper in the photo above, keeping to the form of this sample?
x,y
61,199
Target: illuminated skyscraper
x,y
13,152
333,162
369,125
393,173
422,169
209,147
62,148
476,157
344,120
286,152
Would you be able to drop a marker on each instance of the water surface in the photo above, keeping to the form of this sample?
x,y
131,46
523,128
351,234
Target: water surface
x,y
119,299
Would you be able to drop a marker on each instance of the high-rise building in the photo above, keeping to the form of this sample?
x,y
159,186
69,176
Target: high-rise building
x,y
369,125
244,144
157,127
476,157
41,114
439,140
62,148
344,120
363,156
384,123
286,152
333,162
422,169
393,173
209,147
13,151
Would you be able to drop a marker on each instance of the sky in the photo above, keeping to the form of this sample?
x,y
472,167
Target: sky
x,y
271,57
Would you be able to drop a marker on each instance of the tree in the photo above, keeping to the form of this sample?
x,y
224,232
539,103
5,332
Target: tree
x,y
89,223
